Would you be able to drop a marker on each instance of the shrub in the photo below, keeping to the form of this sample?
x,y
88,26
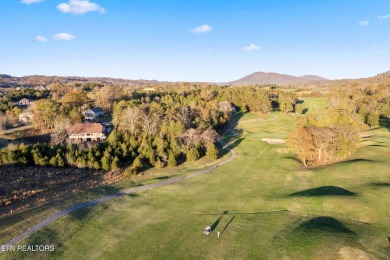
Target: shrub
x,y
172,160
212,151
193,155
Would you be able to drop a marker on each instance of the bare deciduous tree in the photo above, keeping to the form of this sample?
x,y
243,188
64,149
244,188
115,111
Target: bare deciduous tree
x,y
150,123
3,121
60,131
131,119
209,136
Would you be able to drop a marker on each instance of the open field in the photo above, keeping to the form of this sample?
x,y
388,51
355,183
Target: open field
x,y
264,204
69,195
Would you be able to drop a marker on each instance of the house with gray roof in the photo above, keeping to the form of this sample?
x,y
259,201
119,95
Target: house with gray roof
x,y
93,113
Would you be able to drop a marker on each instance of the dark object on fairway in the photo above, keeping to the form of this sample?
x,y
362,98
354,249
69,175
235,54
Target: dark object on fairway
x,y
388,238
323,191
207,230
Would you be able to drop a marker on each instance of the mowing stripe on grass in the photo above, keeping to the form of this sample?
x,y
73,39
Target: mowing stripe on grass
x,y
50,219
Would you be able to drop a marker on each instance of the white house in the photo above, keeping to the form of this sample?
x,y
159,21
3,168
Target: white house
x,y
25,102
93,113
88,132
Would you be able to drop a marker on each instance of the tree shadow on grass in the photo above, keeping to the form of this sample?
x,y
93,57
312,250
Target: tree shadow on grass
x,y
292,158
325,223
104,190
358,160
377,145
223,152
162,178
323,191
234,119
385,122
380,184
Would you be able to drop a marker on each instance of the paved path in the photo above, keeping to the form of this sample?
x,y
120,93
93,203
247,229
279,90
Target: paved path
x,y
50,219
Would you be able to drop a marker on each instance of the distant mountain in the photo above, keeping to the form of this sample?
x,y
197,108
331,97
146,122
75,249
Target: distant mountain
x,y
260,78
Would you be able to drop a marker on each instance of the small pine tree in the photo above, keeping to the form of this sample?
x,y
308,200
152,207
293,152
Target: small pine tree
x,y
212,151
60,161
138,164
299,109
159,164
172,160
193,155
244,108
115,163
114,138
372,119
106,162
130,171
53,161
96,165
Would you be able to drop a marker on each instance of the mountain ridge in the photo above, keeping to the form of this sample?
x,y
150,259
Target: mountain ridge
x,y
261,78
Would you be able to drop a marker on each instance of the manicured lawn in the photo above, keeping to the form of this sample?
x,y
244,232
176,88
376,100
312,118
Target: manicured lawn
x,y
265,205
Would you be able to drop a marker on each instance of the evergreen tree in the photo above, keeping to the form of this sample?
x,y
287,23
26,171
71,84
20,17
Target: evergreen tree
x,y
172,160
212,151
372,119
115,163
53,161
193,155
106,161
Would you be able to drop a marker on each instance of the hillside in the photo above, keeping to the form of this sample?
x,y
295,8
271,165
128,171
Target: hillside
x,y
276,78
7,81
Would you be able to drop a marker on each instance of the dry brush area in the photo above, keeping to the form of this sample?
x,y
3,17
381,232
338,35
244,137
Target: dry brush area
x,y
24,187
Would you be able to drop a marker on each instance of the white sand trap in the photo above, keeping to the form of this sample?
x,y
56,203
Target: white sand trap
x,y
365,136
274,141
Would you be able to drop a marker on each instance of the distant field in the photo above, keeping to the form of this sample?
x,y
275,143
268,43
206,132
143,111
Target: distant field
x,y
264,204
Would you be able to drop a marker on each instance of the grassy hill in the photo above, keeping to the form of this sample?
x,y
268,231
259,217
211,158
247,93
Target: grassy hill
x,y
264,204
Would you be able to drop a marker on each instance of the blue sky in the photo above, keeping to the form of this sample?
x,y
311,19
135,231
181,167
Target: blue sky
x,y
194,40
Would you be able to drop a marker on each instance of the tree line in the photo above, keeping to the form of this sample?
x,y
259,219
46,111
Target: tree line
x,y
152,129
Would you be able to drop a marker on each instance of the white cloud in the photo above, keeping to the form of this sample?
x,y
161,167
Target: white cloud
x,y
80,7
30,1
63,37
251,47
202,29
40,39
364,23
382,17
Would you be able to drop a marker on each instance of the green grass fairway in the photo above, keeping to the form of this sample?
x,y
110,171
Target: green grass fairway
x,y
265,205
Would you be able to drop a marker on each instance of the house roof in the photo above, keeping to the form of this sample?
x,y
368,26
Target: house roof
x,y
96,110
86,128
24,100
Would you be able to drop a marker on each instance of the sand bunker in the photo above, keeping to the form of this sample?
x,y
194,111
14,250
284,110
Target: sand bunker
x,y
274,141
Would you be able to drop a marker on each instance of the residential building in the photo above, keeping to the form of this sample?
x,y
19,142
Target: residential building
x,y
89,132
93,113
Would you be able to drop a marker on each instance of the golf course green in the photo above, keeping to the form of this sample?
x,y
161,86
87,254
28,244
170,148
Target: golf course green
x,y
263,203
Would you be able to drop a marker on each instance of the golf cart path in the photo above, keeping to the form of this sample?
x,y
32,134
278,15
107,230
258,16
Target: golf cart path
x,y
127,191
